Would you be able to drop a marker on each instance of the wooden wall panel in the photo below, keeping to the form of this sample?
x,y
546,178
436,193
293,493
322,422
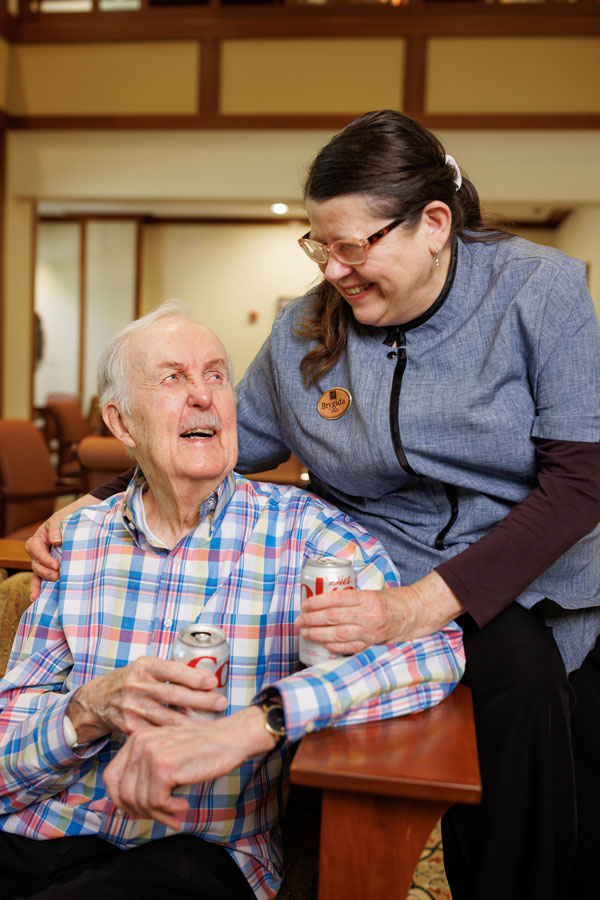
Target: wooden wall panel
x,y
4,68
513,75
319,75
2,258
493,66
104,79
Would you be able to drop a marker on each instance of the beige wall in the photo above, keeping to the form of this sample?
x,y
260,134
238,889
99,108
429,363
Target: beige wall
x,y
225,272
558,168
161,165
321,75
304,75
580,236
555,167
104,78
513,75
548,237
18,294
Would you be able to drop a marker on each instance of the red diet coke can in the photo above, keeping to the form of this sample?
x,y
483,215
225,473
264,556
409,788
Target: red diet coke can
x,y
319,575
204,645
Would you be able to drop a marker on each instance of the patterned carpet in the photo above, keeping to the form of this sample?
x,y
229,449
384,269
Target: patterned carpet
x,y
430,882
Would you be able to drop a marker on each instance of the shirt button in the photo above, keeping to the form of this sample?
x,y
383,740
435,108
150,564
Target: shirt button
x,y
309,727
168,622
119,813
392,354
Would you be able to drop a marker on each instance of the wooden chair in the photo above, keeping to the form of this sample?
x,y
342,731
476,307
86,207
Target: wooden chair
x,y
28,483
292,471
101,459
94,419
70,426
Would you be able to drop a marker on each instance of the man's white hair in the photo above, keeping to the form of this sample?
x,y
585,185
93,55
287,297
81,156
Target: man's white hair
x,y
114,375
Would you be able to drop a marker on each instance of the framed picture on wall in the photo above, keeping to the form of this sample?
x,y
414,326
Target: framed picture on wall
x,y
282,302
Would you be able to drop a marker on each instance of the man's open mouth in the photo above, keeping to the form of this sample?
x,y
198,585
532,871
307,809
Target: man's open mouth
x,y
198,433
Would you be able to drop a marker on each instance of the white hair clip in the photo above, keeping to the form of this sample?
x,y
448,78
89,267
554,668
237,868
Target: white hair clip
x,y
457,176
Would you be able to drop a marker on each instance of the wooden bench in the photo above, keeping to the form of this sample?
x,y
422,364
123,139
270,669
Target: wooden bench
x,y
384,786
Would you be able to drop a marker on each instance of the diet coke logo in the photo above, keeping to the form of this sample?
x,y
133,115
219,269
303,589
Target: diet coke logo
x,y
222,673
333,583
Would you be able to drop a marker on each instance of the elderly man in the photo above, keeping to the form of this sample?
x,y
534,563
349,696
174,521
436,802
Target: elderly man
x,y
192,807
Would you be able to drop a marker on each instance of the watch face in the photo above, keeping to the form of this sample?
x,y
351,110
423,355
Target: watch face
x,y
275,719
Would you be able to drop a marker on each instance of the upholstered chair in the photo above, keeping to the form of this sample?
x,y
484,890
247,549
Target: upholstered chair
x,y
28,483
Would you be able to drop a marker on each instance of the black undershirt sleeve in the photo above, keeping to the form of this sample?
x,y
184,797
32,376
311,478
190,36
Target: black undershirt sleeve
x,y
563,507
104,491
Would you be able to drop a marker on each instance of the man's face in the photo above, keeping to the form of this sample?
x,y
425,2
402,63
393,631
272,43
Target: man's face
x,y
183,422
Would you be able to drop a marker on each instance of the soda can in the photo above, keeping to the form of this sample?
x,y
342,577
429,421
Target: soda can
x,y
204,645
322,574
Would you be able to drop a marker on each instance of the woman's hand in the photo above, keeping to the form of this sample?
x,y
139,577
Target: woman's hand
x,y
349,621
46,567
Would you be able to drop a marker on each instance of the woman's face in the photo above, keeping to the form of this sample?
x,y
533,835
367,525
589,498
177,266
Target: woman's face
x,y
399,279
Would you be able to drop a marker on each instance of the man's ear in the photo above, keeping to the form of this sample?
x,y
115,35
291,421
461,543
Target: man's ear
x,y
437,218
114,421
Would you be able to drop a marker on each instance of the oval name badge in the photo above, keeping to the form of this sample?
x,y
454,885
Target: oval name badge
x,y
334,403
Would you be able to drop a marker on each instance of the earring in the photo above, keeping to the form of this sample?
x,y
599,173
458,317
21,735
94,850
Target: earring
x,y
437,261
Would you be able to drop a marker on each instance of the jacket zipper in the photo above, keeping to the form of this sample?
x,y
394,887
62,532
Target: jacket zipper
x,y
452,495
399,338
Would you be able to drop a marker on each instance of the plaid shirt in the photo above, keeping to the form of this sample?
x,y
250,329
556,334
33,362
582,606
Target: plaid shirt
x,y
119,598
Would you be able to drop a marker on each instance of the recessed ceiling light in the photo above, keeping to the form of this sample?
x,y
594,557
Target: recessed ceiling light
x,y
279,209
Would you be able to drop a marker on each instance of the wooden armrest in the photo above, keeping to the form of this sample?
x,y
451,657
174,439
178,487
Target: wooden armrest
x,y
426,755
13,554
385,785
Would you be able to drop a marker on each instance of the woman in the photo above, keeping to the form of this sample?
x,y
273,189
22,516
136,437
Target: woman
x,y
463,432
441,385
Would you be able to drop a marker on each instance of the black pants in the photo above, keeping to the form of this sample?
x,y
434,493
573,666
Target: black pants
x,y
88,868
538,736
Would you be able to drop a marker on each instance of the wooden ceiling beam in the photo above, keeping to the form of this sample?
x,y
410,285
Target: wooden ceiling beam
x,y
327,122
427,20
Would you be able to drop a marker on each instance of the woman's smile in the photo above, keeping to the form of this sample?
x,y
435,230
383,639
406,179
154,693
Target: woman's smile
x,y
398,280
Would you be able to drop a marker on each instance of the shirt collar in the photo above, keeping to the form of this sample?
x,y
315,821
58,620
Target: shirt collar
x,y
212,508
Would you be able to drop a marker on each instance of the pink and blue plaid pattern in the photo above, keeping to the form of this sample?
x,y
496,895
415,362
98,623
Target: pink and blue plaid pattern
x,y
119,598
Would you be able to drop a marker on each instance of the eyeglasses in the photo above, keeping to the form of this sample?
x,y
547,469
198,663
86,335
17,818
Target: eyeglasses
x,y
349,252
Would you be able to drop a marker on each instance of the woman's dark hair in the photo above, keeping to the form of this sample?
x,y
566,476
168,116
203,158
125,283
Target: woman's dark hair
x,y
400,167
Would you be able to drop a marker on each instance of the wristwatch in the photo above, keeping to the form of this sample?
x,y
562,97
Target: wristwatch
x,y
272,708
